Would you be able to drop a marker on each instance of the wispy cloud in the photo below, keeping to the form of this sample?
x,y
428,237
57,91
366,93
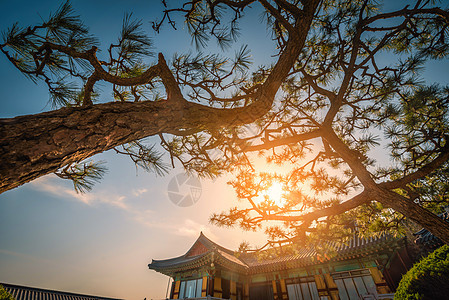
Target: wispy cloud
x,y
143,216
56,187
192,228
139,192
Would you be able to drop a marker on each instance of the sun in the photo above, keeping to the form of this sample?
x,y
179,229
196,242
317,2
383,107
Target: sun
x,y
275,192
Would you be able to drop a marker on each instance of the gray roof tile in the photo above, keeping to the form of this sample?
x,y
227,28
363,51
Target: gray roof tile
x,y
30,293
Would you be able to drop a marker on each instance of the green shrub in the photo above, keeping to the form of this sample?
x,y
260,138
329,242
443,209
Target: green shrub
x,y
428,279
4,295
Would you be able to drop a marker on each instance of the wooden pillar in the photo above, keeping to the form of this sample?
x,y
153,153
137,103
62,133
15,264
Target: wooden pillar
x,y
204,287
275,290
210,286
218,292
332,287
176,290
321,286
246,291
284,294
326,286
233,289
379,280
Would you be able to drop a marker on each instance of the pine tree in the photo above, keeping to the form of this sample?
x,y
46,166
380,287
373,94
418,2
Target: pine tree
x,y
347,82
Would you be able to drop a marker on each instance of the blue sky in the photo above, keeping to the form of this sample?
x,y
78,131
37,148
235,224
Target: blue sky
x,y
101,242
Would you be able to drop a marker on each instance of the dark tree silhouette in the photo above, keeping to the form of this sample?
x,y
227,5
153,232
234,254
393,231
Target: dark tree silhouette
x,y
35,145
356,89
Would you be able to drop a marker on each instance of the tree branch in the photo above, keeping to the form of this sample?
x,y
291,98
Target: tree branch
x,y
442,158
284,141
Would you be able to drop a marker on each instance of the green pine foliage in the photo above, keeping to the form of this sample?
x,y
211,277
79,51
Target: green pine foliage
x,y
83,175
428,279
4,295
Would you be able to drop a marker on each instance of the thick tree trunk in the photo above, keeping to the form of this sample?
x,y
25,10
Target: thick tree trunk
x,y
415,212
386,196
35,145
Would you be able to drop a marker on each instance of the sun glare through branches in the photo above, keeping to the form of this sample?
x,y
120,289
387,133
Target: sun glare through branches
x,y
274,193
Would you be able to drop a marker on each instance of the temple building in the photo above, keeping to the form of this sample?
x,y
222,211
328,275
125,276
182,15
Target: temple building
x,y
365,268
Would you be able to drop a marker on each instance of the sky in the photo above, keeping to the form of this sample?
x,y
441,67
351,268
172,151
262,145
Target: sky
x,y
100,243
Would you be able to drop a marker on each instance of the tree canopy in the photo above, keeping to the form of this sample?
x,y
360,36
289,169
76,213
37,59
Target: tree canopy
x,y
61,48
347,83
356,89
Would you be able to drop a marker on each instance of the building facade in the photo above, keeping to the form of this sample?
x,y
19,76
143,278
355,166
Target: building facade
x,y
359,270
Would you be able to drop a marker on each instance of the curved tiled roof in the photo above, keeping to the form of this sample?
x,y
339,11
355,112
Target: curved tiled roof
x,y
176,261
180,263
356,247
213,253
426,238
251,263
30,293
